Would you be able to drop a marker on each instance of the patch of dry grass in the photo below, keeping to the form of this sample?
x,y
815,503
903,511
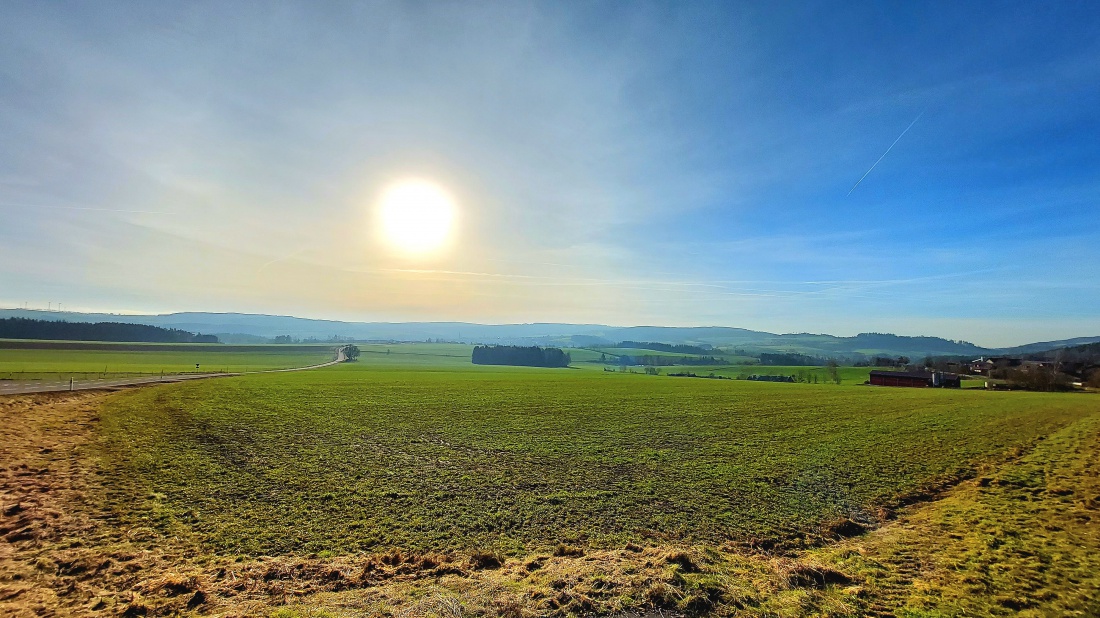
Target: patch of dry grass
x,y
1022,540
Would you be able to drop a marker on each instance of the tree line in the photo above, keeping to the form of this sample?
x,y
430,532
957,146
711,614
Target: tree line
x,y
790,359
886,361
524,356
25,328
665,347
668,361
290,339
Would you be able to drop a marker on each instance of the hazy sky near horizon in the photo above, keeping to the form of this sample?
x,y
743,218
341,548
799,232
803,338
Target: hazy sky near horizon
x,y
618,163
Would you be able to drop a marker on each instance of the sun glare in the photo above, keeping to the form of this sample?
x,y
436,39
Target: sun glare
x,y
417,216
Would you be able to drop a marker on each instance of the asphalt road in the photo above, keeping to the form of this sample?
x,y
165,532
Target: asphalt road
x,y
21,387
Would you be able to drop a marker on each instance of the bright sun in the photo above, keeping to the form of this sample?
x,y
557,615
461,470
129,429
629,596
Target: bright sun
x,y
417,216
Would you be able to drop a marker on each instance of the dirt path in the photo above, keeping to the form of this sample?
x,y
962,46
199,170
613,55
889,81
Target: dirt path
x,y
45,468
61,552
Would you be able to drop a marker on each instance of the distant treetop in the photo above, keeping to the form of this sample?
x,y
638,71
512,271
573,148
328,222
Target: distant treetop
x,y
531,356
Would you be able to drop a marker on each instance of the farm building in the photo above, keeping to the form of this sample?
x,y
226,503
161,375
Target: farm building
x,y
920,379
984,365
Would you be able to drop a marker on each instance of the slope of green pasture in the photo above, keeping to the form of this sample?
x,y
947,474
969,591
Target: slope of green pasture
x,y
426,355
848,375
369,455
584,355
737,359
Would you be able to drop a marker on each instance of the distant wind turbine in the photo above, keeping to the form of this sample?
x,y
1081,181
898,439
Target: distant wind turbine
x,y
887,151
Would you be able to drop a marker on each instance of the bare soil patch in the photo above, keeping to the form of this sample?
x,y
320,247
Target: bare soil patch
x,y
42,471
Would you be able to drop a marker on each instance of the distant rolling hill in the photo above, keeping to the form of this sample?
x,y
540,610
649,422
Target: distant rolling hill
x,y
728,339
1043,346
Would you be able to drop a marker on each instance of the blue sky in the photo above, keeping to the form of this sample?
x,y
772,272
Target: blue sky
x,y
620,163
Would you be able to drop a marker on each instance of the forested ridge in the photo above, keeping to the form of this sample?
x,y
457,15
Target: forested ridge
x,y
25,328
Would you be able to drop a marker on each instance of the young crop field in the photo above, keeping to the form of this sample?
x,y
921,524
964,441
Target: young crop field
x,y
379,457
19,364
414,483
582,356
848,375
433,356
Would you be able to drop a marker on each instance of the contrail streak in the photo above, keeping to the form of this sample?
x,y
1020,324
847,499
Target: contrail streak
x,y
887,152
286,257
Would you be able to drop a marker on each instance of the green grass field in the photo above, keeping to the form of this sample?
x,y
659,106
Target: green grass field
x,y
848,375
419,450
412,483
610,354
416,355
129,359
